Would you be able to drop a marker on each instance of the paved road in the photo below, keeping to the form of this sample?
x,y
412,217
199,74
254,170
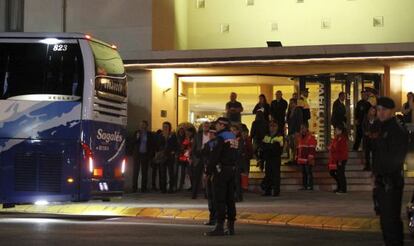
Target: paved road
x,y
127,231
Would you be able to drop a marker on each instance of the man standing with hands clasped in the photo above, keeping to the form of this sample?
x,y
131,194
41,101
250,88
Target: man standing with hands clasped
x,y
234,109
390,149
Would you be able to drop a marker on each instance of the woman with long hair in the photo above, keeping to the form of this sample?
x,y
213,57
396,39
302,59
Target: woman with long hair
x,y
263,106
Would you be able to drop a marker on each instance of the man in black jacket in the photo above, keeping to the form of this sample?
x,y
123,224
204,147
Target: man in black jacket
x,y
361,111
206,153
222,168
169,147
278,109
143,153
339,111
198,159
390,149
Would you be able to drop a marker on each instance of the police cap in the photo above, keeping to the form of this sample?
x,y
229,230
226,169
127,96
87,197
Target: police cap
x,y
386,102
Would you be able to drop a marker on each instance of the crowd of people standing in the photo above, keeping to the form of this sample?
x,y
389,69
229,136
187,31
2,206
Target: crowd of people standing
x,y
177,159
217,156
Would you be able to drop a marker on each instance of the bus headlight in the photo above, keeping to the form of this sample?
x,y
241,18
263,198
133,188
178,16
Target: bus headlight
x,y
123,166
90,164
41,203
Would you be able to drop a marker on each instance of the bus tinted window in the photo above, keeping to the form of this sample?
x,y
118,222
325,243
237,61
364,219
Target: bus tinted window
x,y
107,60
37,68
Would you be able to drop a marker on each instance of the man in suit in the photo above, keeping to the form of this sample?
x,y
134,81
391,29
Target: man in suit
x,y
198,160
143,154
278,109
339,111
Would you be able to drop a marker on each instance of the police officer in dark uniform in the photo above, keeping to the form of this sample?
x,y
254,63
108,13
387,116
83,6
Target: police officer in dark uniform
x,y
390,149
221,167
207,149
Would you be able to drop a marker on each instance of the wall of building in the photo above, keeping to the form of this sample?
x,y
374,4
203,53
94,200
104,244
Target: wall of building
x,y
139,98
163,19
43,15
164,98
126,23
169,24
312,22
2,15
181,24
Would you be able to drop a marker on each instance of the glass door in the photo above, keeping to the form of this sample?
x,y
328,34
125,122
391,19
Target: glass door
x,y
345,84
318,100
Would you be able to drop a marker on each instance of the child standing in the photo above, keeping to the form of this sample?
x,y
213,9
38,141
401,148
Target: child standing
x,y
305,157
338,157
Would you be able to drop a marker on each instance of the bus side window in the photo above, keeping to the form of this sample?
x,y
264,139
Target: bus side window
x,y
65,71
25,68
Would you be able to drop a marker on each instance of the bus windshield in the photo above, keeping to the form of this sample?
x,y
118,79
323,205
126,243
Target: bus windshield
x,y
34,68
107,61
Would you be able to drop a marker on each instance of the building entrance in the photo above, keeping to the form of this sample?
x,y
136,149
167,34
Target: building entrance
x,y
324,90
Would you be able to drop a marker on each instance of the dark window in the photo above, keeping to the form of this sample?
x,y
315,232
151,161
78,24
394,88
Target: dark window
x,y
37,68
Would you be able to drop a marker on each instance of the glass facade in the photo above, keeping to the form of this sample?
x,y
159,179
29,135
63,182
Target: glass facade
x,y
324,90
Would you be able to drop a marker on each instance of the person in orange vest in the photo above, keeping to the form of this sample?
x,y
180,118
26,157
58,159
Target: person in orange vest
x,y
305,157
338,156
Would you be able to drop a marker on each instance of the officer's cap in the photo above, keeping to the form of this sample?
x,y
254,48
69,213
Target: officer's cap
x,y
386,102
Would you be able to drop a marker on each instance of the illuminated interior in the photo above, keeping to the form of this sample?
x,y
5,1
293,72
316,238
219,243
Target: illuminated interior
x,y
204,98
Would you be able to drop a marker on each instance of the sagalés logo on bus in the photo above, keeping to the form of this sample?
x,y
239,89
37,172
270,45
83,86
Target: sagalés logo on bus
x,y
109,137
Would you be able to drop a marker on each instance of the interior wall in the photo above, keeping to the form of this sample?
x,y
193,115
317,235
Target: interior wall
x,y
312,22
407,85
183,103
266,90
396,90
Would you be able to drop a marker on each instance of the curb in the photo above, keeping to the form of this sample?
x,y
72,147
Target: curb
x,y
361,224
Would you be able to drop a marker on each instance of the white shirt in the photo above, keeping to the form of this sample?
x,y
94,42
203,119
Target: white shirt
x,y
206,138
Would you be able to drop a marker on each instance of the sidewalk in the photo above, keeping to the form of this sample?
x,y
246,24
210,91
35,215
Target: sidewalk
x,y
316,209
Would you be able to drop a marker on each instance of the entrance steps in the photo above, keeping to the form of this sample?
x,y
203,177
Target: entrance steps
x,y
291,176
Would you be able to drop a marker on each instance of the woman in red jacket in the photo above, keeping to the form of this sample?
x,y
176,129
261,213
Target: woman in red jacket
x,y
338,156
